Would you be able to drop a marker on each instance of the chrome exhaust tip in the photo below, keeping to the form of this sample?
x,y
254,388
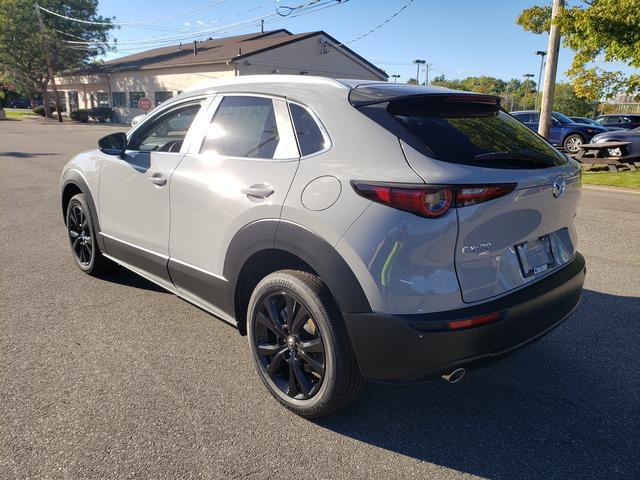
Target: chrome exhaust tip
x,y
454,376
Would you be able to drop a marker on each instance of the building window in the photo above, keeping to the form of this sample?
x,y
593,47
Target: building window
x,y
73,101
119,99
162,97
134,97
102,99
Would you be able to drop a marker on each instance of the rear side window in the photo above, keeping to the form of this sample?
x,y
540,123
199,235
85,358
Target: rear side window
x,y
310,138
244,127
523,117
472,133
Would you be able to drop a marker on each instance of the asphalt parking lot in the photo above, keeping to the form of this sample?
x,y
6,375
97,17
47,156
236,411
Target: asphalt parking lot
x,y
113,378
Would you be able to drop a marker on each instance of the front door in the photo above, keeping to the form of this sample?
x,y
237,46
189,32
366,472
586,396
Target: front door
x,y
134,191
239,173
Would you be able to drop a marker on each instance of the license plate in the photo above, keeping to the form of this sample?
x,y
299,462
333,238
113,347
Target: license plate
x,y
535,256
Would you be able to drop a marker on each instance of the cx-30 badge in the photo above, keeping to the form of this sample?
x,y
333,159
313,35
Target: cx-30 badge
x,y
481,249
559,186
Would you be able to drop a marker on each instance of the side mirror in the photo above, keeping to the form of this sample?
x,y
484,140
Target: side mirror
x,y
114,144
554,121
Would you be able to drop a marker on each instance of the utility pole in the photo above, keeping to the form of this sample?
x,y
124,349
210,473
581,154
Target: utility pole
x,y
418,62
47,57
526,76
542,55
507,97
549,87
426,68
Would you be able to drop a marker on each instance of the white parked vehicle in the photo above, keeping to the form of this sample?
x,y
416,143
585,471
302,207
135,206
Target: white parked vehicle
x,y
352,230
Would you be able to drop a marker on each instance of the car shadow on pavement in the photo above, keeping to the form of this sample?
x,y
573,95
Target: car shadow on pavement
x,y
24,154
567,406
122,276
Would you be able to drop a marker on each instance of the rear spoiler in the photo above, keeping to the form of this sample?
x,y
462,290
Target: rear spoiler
x,y
383,93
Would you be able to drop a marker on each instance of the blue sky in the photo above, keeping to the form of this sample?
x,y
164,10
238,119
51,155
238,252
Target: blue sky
x,y
460,37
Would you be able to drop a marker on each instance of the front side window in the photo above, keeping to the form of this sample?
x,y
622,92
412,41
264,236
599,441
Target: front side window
x,y
166,132
134,97
310,138
119,99
562,119
245,127
162,97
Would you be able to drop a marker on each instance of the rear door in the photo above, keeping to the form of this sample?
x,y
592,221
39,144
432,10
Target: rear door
x,y
508,241
239,171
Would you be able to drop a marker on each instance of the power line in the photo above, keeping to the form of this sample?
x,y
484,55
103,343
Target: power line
x,y
122,24
313,4
378,27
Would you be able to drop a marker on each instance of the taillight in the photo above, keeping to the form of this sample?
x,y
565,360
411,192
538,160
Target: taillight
x,y
429,201
426,202
472,195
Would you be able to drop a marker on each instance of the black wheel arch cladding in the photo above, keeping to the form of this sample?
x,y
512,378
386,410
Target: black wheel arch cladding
x,y
72,184
295,241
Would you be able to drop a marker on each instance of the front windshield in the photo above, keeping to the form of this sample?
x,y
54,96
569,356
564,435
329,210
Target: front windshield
x,y
562,118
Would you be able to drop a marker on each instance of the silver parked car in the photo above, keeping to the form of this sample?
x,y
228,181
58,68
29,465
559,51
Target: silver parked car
x,y
352,230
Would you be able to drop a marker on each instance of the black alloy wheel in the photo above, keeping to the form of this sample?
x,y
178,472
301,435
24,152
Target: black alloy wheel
x,y
79,230
82,238
289,345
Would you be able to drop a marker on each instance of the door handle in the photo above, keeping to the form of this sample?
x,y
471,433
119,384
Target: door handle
x,y
158,179
261,190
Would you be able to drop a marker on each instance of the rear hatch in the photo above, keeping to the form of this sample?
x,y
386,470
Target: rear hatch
x,y
464,140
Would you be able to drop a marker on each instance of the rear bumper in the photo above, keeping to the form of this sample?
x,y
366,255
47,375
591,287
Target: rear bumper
x,y
409,348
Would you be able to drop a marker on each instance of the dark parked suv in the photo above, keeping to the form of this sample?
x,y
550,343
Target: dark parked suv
x,y
628,122
564,132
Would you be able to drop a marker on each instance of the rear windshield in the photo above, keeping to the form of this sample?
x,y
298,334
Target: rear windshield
x,y
472,133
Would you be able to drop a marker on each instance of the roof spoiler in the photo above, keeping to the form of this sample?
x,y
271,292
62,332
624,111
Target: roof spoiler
x,y
373,94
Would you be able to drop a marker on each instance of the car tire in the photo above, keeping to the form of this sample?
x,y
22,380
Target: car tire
x,y
82,238
305,359
572,143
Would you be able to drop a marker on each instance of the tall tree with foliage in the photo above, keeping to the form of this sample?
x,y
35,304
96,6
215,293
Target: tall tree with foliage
x,y
595,29
22,58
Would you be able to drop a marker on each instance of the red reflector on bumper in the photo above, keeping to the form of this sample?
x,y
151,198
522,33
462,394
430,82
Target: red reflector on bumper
x,y
474,321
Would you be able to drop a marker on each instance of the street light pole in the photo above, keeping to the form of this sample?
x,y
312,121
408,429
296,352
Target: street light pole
x,y
542,54
418,62
526,76
395,77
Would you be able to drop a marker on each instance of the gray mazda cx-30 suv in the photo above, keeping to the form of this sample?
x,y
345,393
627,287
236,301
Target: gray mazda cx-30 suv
x,y
352,230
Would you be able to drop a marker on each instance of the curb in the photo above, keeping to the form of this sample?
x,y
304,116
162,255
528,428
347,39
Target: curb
x,y
611,189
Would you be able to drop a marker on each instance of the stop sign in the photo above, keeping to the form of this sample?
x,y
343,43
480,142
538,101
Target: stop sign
x,y
144,104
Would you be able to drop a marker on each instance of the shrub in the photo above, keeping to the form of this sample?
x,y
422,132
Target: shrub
x,y
80,115
101,114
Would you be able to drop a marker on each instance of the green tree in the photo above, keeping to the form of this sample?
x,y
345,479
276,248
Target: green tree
x,y
566,101
595,29
516,94
22,59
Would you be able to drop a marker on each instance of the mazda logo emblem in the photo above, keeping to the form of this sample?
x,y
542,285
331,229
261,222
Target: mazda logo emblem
x,y
559,186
